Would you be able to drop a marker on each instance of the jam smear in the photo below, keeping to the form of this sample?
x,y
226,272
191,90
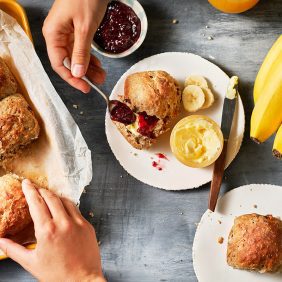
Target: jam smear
x,y
119,29
162,156
157,165
147,124
121,112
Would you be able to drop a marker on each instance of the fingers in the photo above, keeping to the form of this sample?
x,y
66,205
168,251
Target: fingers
x,y
38,209
54,204
83,37
16,252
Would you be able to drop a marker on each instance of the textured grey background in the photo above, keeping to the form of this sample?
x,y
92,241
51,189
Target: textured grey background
x,y
146,234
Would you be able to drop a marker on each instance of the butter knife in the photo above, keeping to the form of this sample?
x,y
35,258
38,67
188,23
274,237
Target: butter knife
x,y
226,123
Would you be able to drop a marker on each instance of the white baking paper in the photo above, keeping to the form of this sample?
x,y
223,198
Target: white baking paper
x,y
61,155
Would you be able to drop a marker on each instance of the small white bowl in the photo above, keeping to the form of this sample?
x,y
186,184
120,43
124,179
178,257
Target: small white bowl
x,y
138,9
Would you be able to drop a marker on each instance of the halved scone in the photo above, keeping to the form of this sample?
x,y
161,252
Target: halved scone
x,y
155,99
255,243
14,212
8,83
18,125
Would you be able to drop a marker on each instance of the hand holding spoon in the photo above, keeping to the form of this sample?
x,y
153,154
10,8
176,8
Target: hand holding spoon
x,y
118,111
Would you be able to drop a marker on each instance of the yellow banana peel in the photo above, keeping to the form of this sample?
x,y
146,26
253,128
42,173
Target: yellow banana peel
x,y
267,114
277,146
272,59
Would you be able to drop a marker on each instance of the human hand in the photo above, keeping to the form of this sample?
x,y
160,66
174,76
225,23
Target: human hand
x,y
66,249
69,30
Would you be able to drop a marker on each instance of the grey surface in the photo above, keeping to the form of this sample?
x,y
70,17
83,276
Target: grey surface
x,y
146,234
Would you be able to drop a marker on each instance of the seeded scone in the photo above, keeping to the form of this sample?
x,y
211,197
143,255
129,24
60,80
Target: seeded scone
x,y
155,99
14,212
255,243
18,125
8,83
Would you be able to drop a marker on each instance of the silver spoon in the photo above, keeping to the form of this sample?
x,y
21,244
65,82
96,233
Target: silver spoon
x,y
112,104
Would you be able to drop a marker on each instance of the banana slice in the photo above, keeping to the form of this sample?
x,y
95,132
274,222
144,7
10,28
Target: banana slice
x,y
193,98
209,98
196,80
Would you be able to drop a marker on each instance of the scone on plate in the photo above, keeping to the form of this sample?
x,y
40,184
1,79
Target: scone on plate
x,y
255,243
8,83
18,125
14,212
155,98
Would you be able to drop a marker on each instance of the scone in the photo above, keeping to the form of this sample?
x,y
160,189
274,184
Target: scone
x,y
155,98
255,243
14,212
8,83
18,125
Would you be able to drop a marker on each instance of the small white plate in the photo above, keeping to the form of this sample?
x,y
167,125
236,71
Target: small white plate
x,y
174,175
209,257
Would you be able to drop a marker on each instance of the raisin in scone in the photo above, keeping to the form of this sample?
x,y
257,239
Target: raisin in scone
x,y
155,99
255,243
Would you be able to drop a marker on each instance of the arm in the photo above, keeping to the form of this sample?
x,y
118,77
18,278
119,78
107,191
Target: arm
x,y
68,30
59,227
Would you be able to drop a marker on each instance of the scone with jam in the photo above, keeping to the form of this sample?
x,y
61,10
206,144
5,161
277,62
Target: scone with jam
x,y
255,243
152,100
18,126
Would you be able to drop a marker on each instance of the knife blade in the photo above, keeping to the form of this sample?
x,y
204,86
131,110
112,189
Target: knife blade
x,y
226,123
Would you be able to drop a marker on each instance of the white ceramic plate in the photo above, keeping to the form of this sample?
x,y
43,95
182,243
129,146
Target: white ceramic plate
x,y
209,257
174,175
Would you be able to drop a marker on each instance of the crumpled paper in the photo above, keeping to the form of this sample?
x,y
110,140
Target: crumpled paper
x,y
60,158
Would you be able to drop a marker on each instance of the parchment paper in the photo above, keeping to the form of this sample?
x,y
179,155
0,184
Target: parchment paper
x,y
60,158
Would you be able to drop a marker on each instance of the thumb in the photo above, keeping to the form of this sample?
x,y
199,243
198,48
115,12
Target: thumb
x,y
15,251
81,50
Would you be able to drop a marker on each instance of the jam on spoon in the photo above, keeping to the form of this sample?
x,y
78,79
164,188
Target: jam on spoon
x,y
119,29
120,112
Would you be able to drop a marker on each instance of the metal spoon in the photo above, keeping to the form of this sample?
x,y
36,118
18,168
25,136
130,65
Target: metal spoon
x,y
67,64
126,115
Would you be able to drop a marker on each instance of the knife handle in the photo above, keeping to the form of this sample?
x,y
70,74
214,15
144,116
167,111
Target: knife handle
x,y
218,171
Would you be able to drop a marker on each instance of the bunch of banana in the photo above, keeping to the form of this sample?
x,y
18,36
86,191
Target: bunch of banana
x,y
196,94
267,114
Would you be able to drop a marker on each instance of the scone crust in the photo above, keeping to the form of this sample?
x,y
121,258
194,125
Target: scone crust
x,y
18,125
255,243
8,83
14,212
154,92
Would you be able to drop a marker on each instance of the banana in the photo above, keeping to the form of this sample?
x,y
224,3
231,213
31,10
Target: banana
x,y
193,98
273,57
267,114
209,98
277,146
196,80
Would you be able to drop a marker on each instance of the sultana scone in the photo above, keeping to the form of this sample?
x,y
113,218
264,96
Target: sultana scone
x,y
14,212
8,83
155,99
255,243
18,125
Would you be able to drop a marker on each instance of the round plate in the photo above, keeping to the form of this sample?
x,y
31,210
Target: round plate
x,y
173,174
209,257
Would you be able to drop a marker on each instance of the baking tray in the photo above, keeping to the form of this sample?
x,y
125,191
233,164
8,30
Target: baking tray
x,y
14,9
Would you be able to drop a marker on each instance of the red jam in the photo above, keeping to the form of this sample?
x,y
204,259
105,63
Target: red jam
x,y
121,112
147,124
161,156
119,29
157,165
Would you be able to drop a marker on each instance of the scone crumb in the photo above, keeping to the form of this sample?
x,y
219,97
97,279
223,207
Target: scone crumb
x,y
220,240
81,113
99,243
219,221
255,206
210,38
175,21
84,191
91,214
75,106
